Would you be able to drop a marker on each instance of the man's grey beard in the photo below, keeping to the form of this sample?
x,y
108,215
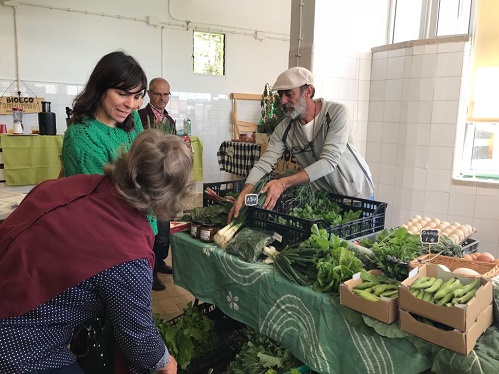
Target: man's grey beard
x,y
297,111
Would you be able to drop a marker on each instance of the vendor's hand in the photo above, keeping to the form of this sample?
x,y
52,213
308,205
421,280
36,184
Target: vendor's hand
x,y
170,367
274,190
234,211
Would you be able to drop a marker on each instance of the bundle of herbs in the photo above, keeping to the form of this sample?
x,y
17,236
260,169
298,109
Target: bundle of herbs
x,y
323,261
394,248
336,263
189,336
262,355
216,214
305,202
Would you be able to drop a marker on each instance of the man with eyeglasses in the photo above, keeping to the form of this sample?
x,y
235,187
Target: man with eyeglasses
x,y
159,96
317,133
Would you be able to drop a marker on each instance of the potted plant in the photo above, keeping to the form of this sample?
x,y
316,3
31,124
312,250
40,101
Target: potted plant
x,y
272,114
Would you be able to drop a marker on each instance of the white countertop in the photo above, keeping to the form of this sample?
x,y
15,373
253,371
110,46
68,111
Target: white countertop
x,y
8,202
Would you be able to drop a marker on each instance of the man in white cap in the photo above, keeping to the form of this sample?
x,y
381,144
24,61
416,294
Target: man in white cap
x,y
316,132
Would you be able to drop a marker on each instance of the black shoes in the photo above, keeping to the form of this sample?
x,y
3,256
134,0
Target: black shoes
x,y
163,268
157,285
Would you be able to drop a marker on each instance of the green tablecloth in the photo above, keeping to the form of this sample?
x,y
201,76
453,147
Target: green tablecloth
x,y
30,159
318,330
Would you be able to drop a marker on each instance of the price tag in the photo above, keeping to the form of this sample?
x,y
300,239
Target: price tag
x,y
251,199
429,236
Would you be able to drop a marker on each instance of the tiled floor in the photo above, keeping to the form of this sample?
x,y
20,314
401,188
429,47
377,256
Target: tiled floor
x,y
170,302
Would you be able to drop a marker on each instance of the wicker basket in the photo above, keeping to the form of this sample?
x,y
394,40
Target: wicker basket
x,y
486,269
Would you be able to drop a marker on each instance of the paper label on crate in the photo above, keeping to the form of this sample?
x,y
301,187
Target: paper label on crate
x,y
356,276
429,236
277,237
251,199
413,272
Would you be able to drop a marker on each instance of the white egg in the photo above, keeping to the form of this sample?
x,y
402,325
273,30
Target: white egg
x,y
436,221
464,229
455,238
413,230
459,233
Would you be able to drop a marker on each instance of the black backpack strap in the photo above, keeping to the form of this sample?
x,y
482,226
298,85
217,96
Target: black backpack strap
x,y
285,135
328,121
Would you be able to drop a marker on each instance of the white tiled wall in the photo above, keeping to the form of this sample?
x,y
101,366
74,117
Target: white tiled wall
x,y
209,114
414,114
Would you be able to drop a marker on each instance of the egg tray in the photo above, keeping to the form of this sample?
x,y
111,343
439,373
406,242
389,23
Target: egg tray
x,y
462,240
485,269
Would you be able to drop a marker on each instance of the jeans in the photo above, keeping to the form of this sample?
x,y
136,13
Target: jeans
x,y
70,369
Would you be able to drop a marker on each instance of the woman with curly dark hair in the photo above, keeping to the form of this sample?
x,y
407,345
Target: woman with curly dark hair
x,y
104,116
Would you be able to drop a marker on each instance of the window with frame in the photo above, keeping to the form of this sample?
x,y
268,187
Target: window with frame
x,y
480,153
426,19
209,53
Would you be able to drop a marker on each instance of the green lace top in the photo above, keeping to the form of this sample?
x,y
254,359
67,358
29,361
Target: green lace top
x,y
90,144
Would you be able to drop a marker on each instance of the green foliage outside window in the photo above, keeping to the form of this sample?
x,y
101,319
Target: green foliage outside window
x,y
209,53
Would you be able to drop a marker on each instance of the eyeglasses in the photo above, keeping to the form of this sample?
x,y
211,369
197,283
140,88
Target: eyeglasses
x,y
159,94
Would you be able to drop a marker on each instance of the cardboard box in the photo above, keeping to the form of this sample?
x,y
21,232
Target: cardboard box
x,y
385,310
455,340
461,317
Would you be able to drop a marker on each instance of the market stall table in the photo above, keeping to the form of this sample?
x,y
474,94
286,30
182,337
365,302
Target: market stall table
x,y
323,334
238,157
30,159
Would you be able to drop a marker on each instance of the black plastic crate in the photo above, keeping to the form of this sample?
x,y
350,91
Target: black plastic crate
x,y
294,229
469,246
216,360
230,340
222,189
